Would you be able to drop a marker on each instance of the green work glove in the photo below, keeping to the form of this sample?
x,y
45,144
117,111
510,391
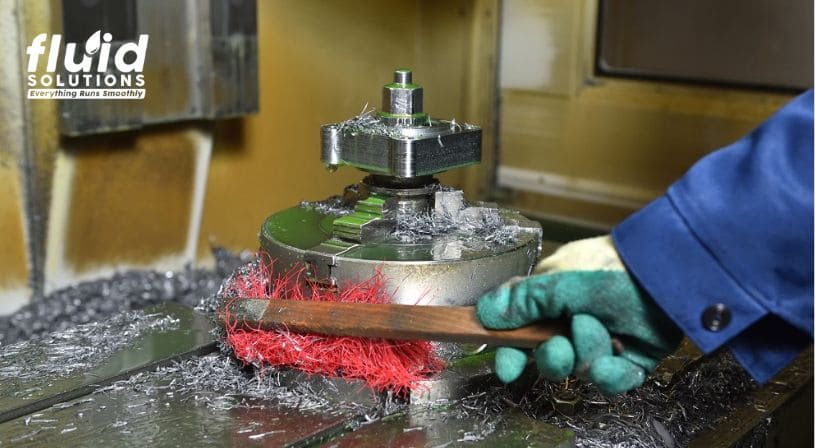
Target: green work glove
x,y
618,334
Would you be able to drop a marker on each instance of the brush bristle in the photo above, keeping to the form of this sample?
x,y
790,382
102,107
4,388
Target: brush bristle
x,y
382,364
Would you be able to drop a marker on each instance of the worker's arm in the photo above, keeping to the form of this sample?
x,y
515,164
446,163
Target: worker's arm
x,y
725,255
727,252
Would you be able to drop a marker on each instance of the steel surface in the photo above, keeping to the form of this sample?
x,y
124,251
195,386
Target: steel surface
x,y
55,374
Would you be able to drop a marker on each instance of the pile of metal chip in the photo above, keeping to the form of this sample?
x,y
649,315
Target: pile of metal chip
x,y
653,415
127,290
80,347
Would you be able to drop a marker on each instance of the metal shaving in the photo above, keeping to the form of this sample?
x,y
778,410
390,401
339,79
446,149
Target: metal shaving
x,y
652,415
62,352
201,401
442,187
211,303
335,205
368,123
476,227
487,225
222,383
129,290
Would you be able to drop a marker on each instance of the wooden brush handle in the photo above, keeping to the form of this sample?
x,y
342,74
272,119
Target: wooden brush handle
x,y
388,321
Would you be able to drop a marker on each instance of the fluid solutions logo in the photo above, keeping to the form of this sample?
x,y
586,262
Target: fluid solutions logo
x,y
87,75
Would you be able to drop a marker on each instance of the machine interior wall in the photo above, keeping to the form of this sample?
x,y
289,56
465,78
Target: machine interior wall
x,y
590,149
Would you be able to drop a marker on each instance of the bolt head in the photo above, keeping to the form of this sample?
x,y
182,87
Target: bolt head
x,y
402,99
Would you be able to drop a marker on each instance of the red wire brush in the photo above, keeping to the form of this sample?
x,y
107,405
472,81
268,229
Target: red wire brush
x,y
382,364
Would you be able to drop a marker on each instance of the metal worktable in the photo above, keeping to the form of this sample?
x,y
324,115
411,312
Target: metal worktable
x,y
156,378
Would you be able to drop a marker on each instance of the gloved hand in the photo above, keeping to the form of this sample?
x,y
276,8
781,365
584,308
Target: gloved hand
x,y
618,334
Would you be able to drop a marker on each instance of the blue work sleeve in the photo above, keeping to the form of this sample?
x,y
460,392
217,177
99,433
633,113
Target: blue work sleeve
x,y
727,252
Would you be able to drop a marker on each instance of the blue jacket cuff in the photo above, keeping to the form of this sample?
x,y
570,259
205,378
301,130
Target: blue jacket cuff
x,y
769,345
657,239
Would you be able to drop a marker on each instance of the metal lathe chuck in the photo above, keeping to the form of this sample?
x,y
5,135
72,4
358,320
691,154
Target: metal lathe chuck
x,y
431,246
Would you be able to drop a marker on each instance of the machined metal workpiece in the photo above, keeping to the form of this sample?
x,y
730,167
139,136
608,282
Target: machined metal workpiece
x,y
401,140
429,245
